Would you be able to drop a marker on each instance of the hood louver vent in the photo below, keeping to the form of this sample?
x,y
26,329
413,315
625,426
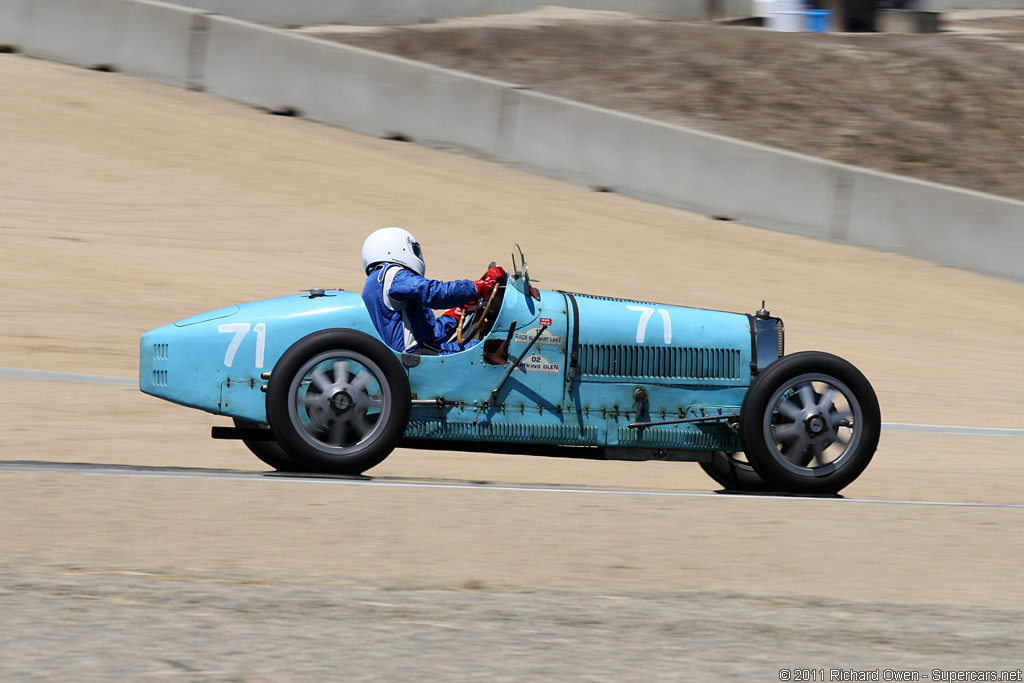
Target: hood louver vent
x,y
659,361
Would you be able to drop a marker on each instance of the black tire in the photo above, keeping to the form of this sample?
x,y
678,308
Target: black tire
x,y
270,452
810,423
734,473
338,401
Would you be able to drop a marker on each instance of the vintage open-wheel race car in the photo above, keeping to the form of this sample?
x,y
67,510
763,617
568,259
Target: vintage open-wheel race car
x,y
312,388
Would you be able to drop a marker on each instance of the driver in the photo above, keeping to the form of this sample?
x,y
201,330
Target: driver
x,y
400,299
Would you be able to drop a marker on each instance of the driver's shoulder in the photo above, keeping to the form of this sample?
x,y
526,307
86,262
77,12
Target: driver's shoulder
x,y
405,279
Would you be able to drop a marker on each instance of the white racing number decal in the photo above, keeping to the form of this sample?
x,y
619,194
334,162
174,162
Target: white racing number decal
x,y
240,330
645,316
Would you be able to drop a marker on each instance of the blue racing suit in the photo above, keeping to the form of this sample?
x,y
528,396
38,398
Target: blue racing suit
x,y
400,303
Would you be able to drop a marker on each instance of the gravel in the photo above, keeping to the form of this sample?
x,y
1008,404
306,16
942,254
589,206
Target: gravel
x,y
89,624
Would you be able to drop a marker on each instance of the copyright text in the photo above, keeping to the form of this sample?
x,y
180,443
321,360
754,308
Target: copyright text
x,y
816,675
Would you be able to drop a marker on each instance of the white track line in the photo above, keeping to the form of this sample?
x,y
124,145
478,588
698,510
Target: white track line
x,y
951,429
277,478
18,373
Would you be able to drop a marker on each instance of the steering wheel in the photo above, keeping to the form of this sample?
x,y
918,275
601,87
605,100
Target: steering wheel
x,y
476,318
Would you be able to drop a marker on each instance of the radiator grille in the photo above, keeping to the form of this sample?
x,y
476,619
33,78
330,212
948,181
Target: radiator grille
x,y
467,431
659,361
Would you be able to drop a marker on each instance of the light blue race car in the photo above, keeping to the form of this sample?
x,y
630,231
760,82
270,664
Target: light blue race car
x,y
312,388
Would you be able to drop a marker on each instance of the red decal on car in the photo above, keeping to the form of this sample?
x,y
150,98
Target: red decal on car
x,y
545,321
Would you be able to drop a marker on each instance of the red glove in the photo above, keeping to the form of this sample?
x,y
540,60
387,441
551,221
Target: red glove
x,y
486,285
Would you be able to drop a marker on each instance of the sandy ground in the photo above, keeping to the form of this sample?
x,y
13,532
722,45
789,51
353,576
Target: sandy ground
x,y
125,205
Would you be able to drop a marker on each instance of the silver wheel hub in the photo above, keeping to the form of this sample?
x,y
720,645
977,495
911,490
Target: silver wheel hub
x,y
811,423
339,401
815,425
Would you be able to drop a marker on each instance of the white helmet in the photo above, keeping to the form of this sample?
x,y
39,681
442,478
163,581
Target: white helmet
x,y
393,245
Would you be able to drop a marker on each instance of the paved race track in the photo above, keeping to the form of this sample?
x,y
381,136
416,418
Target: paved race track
x,y
125,205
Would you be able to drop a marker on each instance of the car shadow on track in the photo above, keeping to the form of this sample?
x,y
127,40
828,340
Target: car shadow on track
x,y
776,494
57,467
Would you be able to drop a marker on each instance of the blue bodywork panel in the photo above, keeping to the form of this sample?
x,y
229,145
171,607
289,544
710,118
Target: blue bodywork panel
x,y
594,365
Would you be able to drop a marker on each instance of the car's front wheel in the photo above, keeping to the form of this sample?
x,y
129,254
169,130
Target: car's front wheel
x,y
810,423
338,401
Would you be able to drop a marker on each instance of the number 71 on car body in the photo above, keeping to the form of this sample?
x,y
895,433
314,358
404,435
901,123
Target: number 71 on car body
x,y
646,312
240,330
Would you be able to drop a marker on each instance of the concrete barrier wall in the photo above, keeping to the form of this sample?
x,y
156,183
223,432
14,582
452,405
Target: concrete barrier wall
x,y
387,96
938,223
707,173
396,12
147,39
358,89
12,21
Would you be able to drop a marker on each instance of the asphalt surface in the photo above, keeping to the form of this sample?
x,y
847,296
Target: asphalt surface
x,y
296,478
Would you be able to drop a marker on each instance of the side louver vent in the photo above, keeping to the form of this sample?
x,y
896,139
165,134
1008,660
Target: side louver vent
x,y
659,361
160,378
467,431
160,351
705,440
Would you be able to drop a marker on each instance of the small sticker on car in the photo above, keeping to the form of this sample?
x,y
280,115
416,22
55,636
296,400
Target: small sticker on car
x,y
535,362
545,321
546,339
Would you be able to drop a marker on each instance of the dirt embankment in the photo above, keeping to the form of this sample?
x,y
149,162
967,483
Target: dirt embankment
x,y
945,107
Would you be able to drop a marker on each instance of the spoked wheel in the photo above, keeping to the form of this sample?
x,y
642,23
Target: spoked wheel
x,y
338,401
810,423
270,452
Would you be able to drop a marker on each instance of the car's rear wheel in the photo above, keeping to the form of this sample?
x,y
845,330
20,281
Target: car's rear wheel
x,y
810,423
338,401
269,451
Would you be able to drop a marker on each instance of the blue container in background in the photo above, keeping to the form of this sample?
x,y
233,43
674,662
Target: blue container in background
x,y
819,20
